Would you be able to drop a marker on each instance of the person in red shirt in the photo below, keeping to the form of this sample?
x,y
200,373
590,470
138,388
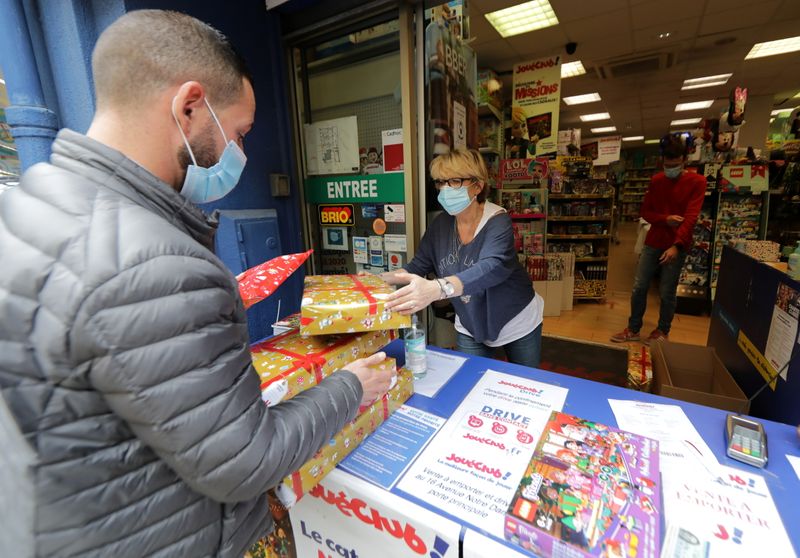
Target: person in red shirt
x,y
671,206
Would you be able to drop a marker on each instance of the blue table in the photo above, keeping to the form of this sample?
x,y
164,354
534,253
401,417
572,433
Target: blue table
x,y
589,400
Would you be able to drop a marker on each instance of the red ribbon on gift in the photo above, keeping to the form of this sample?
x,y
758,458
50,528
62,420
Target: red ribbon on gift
x,y
312,362
357,286
361,287
643,362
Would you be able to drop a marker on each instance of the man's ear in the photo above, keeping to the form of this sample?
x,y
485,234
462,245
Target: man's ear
x,y
189,97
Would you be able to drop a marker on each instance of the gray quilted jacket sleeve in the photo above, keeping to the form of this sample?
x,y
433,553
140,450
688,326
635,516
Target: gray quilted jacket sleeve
x,y
165,341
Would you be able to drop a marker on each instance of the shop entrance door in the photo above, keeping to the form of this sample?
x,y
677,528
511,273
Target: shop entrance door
x,y
354,144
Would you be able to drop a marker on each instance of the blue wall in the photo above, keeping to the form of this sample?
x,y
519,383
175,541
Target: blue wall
x,y
50,81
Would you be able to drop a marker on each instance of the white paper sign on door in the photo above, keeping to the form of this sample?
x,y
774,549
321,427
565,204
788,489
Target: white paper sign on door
x,y
474,464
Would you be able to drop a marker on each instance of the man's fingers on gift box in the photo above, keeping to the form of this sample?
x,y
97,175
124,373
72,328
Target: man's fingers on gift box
x,y
374,382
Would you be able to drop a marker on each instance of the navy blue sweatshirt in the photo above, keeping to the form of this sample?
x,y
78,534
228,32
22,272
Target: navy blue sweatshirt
x,y
496,288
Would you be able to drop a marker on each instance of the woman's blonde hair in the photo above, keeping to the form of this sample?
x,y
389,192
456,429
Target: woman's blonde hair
x,y
462,163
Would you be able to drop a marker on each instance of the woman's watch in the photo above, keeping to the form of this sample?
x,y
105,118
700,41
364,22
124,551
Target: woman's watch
x,y
447,288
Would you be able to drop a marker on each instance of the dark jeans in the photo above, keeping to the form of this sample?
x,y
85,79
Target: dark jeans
x,y
668,285
526,350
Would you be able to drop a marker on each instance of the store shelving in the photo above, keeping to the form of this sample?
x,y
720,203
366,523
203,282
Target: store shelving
x,y
740,216
635,182
527,208
579,220
490,139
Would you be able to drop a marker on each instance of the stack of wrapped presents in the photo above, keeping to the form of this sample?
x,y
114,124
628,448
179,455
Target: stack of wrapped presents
x,y
342,319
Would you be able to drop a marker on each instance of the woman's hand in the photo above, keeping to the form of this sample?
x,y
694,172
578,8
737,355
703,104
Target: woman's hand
x,y
374,382
416,295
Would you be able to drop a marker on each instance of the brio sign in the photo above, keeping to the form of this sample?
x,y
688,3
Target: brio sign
x,y
336,214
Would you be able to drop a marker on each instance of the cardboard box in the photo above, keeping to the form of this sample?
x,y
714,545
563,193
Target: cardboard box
x,y
293,487
550,291
289,363
347,304
695,374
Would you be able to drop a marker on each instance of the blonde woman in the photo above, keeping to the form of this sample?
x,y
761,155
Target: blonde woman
x,y
470,250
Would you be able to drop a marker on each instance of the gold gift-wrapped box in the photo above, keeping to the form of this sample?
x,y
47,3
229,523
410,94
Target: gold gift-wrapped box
x,y
312,472
640,369
290,363
346,304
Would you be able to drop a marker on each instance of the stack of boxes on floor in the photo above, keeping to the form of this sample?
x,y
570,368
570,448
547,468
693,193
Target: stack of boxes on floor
x,y
342,319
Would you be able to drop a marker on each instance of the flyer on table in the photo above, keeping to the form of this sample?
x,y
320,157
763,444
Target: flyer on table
x,y
731,517
473,465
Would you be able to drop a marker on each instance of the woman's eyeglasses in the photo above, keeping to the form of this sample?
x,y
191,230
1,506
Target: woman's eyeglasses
x,y
453,182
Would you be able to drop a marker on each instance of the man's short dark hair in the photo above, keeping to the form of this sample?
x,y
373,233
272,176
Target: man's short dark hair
x,y
147,51
673,146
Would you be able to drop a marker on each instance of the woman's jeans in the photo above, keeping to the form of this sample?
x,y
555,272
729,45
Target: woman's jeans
x,y
526,350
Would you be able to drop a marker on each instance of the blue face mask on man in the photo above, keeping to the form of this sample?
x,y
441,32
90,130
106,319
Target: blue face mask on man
x,y
454,200
204,185
673,172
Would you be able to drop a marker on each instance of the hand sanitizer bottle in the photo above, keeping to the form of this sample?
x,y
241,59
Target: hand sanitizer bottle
x,y
794,263
416,359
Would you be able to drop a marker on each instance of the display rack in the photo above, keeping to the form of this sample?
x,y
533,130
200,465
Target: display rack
x,y
527,208
490,139
579,221
740,216
634,185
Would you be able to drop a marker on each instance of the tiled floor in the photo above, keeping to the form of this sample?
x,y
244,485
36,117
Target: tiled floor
x,y
595,321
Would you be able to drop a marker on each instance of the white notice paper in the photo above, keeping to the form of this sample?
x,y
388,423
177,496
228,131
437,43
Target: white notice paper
x,y
782,329
395,243
478,545
680,445
394,213
332,146
473,466
731,517
441,367
794,461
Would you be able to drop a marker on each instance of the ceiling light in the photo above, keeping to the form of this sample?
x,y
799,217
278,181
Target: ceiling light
x,y
572,69
522,18
771,48
651,141
604,129
665,35
776,112
707,81
693,106
595,116
633,138
685,121
581,99
709,84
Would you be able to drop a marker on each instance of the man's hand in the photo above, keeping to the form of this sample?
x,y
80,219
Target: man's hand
x,y
674,221
374,382
669,255
416,295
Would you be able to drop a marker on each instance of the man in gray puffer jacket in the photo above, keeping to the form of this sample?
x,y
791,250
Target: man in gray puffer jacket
x,y
130,413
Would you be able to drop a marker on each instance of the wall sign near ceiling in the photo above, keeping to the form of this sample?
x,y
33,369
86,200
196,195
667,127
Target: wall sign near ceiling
x,y
356,188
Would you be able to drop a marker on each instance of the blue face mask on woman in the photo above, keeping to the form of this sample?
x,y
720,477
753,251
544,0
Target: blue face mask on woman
x,y
673,172
454,200
204,185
